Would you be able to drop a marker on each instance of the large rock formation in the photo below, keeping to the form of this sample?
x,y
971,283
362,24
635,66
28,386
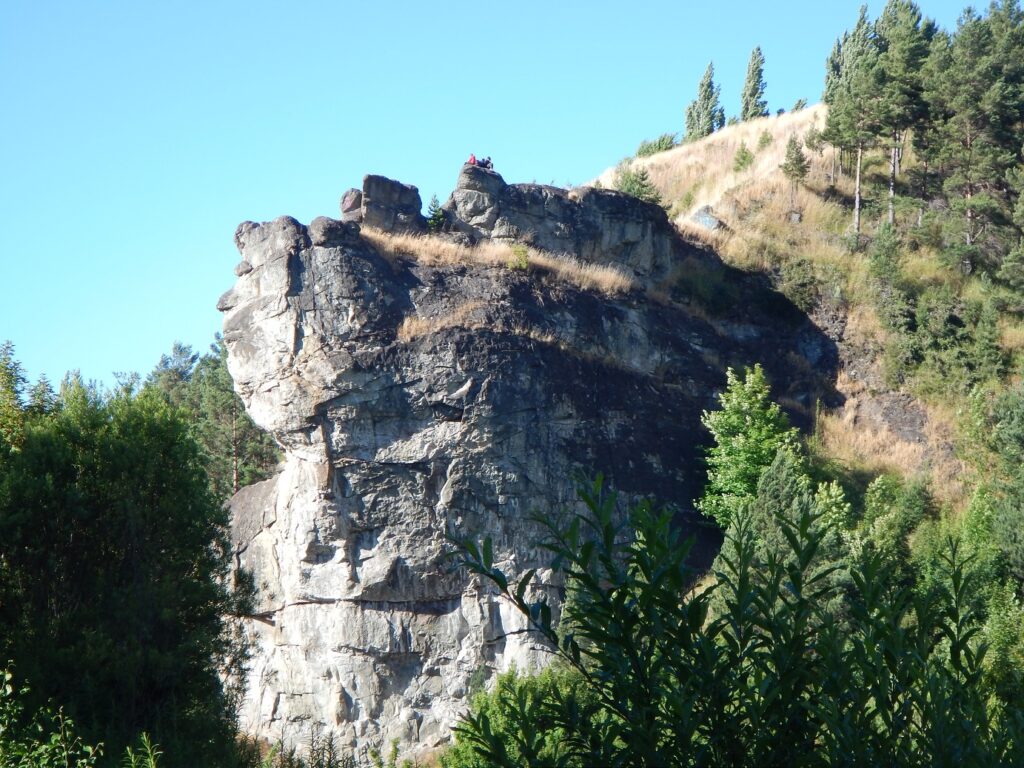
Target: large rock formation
x,y
418,400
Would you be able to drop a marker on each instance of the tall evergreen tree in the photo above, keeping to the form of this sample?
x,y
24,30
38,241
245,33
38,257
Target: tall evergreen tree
x,y
854,112
903,48
974,94
753,101
12,384
236,452
705,114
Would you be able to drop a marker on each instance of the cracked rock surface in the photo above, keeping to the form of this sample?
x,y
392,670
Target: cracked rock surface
x,y
513,385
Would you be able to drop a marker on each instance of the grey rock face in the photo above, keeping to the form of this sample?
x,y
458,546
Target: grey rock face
x,y
511,385
352,205
391,205
705,217
596,225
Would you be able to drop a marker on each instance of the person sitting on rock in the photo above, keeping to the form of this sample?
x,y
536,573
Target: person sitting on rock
x,y
486,164
472,159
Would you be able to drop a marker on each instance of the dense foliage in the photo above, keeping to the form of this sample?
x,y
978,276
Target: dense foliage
x,y
822,638
113,569
705,115
235,451
636,182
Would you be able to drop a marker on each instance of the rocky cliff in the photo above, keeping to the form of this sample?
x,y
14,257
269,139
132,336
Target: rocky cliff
x,y
423,388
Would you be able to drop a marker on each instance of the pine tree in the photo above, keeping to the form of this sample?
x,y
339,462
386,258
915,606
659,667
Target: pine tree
x,y
975,96
753,101
12,412
705,115
854,109
41,397
435,215
636,183
903,48
795,166
236,452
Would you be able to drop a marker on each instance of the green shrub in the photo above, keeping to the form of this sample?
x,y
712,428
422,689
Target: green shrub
x,y
744,158
517,698
520,258
39,738
799,284
765,139
769,679
664,142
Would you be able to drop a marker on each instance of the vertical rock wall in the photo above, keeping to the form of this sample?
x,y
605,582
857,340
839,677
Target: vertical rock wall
x,y
394,442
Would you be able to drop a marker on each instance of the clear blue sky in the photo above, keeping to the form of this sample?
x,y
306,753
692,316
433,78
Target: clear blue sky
x,y
135,136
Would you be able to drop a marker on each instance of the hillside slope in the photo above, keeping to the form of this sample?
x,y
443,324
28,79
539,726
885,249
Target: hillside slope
x,y
798,237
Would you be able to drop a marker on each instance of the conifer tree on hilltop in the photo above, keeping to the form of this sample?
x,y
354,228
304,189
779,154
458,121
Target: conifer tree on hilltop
x,y
754,104
975,88
705,115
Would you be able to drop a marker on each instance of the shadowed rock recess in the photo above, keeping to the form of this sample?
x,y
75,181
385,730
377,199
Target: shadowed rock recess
x,y
515,384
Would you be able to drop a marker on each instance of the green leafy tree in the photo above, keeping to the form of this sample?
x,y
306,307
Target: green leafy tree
x,y
795,166
747,432
705,115
753,104
114,560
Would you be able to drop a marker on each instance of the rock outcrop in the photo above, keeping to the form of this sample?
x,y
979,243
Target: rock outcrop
x,y
418,400
595,225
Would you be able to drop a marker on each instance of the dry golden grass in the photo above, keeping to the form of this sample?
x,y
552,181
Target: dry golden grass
x,y
702,172
857,445
863,325
462,315
845,438
432,250
1011,335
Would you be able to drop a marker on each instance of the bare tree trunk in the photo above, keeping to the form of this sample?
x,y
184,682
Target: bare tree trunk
x,y
856,194
892,184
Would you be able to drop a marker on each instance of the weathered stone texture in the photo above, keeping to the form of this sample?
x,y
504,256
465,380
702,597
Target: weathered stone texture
x,y
362,628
